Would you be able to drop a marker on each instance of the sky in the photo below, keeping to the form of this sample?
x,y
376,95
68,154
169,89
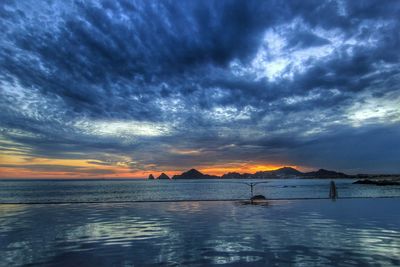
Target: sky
x,y
92,89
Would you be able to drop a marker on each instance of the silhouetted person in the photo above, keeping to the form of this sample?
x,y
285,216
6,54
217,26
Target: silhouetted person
x,y
333,194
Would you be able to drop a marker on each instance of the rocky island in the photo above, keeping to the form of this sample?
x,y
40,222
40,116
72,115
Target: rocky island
x,y
163,176
194,174
285,172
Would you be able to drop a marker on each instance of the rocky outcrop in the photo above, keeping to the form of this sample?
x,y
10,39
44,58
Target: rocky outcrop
x,y
236,175
287,172
163,176
258,198
322,173
151,177
194,174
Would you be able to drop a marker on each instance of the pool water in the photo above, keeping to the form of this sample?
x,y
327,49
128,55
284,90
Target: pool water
x,y
346,232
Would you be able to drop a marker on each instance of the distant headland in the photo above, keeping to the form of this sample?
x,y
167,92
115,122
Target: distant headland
x,y
285,172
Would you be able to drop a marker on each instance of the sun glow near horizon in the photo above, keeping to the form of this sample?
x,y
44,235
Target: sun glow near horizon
x,y
18,167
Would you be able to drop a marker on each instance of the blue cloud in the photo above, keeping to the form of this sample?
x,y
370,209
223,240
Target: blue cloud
x,y
270,81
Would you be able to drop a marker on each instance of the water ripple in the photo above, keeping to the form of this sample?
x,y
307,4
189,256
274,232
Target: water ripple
x,y
296,233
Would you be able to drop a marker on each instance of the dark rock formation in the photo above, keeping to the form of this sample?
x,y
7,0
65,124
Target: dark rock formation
x,y
321,173
236,175
151,177
194,174
258,198
287,172
163,176
377,182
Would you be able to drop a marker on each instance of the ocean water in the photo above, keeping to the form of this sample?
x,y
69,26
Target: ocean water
x,y
55,191
319,232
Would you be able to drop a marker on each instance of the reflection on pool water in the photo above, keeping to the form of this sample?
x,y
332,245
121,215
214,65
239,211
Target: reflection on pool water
x,y
350,232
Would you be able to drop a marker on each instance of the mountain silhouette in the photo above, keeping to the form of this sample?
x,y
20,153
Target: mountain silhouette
x,y
194,174
285,172
322,173
163,176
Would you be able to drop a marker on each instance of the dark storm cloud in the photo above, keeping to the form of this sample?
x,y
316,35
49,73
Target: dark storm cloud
x,y
105,43
230,80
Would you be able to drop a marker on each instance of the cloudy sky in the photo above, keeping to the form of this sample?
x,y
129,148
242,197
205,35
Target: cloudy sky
x,y
127,88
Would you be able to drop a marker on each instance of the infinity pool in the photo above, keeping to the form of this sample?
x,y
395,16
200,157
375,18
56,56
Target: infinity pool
x,y
350,232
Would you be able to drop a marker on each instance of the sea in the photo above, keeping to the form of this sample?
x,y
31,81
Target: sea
x,y
111,190
197,223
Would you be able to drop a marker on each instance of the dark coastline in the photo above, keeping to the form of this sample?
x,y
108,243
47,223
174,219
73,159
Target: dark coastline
x,y
281,173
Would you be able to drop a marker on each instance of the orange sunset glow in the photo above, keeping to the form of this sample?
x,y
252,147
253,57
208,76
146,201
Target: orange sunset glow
x,y
21,167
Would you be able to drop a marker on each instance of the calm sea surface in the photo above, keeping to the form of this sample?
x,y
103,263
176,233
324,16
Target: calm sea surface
x,y
145,190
